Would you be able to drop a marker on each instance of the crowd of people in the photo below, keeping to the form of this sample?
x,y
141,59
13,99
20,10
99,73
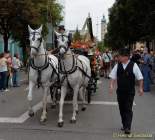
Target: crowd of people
x,y
144,59
9,71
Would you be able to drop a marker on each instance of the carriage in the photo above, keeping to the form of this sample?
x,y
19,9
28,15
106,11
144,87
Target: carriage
x,y
89,50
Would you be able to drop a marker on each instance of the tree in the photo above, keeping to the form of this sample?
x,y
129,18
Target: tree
x,y
101,46
77,36
20,13
131,21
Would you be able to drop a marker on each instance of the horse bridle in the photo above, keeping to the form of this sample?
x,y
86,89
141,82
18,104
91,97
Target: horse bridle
x,y
33,38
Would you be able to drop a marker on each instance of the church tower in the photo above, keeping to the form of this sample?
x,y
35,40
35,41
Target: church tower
x,y
103,27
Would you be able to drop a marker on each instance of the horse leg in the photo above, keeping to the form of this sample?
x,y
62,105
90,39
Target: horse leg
x,y
75,104
61,103
53,92
29,97
54,97
44,113
83,97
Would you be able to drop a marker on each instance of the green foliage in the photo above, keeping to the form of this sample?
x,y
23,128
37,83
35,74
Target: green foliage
x,y
101,46
21,13
130,21
77,36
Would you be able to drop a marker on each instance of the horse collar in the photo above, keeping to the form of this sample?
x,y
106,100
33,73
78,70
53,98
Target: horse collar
x,y
41,68
72,70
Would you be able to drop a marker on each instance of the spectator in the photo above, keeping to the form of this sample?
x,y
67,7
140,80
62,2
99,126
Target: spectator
x,y
115,60
9,65
16,63
153,65
107,58
3,72
136,57
146,71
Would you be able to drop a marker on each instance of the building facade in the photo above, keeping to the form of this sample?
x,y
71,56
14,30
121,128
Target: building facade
x,y
13,47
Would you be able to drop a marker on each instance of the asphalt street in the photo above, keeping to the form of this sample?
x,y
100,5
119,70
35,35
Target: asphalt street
x,y
101,120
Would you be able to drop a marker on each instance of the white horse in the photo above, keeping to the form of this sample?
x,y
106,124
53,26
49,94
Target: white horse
x,y
74,73
43,69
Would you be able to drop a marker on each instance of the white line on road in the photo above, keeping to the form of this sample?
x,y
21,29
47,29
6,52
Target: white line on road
x,y
25,116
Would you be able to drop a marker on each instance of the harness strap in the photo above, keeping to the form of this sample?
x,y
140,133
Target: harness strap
x,y
39,69
84,72
82,69
37,49
72,70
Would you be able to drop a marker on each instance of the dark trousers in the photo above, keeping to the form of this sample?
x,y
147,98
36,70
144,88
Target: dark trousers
x,y
3,78
125,102
7,80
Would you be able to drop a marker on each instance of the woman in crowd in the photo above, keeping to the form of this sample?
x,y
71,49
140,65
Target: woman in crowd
x,y
9,65
3,72
16,64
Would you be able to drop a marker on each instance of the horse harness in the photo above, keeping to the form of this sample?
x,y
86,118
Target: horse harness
x,y
65,73
33,38
40,69
45,66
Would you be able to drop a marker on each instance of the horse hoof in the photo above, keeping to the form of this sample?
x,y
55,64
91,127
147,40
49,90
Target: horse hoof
x,y
77,112
31,114
53,106
42,121
83,108
73,121
60,124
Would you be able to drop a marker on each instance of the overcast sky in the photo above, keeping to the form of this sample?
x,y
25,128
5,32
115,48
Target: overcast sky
x,y
77,11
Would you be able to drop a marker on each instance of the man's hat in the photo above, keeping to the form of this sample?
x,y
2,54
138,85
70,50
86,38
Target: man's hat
x,y
124,52
61,27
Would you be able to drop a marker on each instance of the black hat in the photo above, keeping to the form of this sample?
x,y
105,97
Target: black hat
x,y
61,27
124,52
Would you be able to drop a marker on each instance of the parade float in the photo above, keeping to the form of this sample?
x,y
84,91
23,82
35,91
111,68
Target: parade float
x,y
86,45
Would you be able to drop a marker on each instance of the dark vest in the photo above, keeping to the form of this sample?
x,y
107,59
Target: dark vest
x,y
125,79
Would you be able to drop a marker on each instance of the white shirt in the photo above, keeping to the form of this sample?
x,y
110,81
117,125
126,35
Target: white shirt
x,y
16,64
136,71
3,65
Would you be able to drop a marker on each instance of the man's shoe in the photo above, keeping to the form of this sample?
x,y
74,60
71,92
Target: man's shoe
x,y
127,131
122,129
6,90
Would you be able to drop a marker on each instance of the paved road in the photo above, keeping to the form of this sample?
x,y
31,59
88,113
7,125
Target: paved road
x,y
101,120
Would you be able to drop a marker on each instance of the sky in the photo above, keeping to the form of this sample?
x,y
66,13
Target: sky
x,y
76,12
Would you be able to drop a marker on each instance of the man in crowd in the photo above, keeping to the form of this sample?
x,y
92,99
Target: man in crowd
x,y
125,73
107,58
